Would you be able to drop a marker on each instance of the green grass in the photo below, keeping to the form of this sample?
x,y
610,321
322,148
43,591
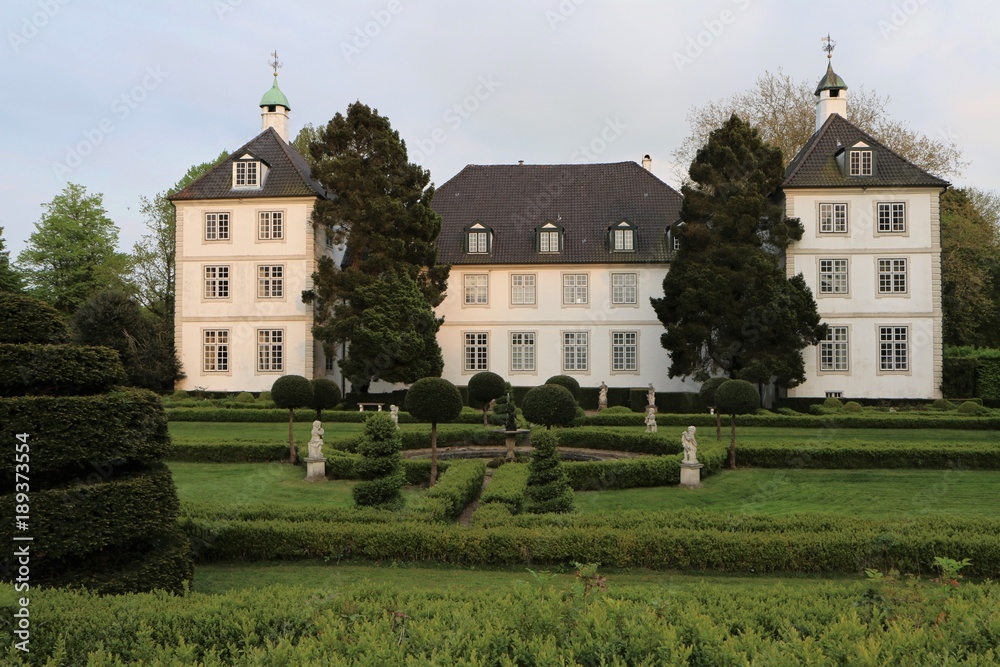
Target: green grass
x,y
221,433
869,493
229,484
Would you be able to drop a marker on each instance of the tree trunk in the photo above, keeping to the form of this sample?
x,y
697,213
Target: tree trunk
x,y
732,444
485,422
718,425
434,453
291,437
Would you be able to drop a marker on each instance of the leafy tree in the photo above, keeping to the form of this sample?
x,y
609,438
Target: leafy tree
x,y
567,381
549,405
784,111
114,319
435,400
485,387
707,395
71,254
10,277
392,332
548,487
380,206
303,141
736,397
727,305
326,395
25,319
970,268
292,391
381,464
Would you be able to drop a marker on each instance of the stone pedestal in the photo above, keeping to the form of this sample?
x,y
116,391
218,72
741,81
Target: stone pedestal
x,y
315,469
510,440
691,475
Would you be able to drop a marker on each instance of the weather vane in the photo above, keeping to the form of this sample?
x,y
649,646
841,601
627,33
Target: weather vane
x,y
828,45
276,64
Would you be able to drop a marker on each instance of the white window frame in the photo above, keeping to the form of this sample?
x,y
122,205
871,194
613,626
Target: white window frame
x,y
861,162
624,351
217,226
622,293
835,350
271,281
833,218
576,351
475,351
523,294
478,241
216,285
549,241
246,174
893,348
624,239
676,241
892,276
476,289
890,217
523,351
270,225
215,350
270,350
834,276
575,286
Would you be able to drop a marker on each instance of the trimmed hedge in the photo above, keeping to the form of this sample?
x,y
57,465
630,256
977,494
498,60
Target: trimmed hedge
x,y
269,512
641,472
619,440
74,434
832,421
455,489
857,455
249,413
235,453
506,487
958,378
61,370
25,320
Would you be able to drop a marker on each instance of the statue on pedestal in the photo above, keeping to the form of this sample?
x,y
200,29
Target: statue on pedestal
x,y
651,397
690,445
316,441
394,413
602,397
650,420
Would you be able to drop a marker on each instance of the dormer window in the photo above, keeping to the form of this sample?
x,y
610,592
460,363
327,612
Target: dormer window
x,y
478,239
248,173
623,237
549,238
860,160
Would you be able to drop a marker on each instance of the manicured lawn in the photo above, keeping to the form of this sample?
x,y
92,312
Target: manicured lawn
x,y
872,493
228,484
221,433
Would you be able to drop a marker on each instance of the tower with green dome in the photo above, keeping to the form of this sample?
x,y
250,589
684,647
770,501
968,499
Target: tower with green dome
x,y
274,105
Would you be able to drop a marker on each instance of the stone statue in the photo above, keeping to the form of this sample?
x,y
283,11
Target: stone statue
x,y
602,397
394,413
651,396
690,445
650,420
316,441
511,423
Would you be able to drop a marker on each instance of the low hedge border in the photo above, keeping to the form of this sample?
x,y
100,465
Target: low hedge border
x,y
835,421
640,472
269,512
506,487
244,412
235,453
620,440
454,490
61,370
853,455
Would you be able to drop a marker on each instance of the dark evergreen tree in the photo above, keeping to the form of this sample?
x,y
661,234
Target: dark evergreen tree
x,y
10,278
379,206
727,305
381,464
548,486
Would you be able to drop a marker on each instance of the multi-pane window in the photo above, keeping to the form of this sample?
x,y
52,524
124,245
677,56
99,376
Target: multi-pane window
x,y
861,163
476,289
246,172
575,288
216,226
270,282
575,350
624,239
477,351
522,289
216,282
270,350
329,363
270,225
833,350
676,242
624,351
215,351
894,348
833,276
891,276
891,217
833,218
548,241
623,288
522,351
478,242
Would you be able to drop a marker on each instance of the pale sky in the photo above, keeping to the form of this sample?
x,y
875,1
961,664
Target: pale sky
x,y
123,97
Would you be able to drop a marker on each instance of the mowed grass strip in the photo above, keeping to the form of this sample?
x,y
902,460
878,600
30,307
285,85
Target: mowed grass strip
x,y
866,493
222,433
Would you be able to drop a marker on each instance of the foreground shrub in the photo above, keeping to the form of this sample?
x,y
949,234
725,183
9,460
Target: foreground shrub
x,y
548,487
507,487
58,369
380,465
24,319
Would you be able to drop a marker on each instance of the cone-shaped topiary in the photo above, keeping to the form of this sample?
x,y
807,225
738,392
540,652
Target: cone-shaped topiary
x,y
483,388
707,396
434,400
566,381
381,464
736,397
549,405
292,391
326,395
548,487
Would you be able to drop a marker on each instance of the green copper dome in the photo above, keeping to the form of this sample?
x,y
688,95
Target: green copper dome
x,y
274,97
829,82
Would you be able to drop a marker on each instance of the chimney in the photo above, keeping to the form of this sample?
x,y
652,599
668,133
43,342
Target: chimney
x,y
647,162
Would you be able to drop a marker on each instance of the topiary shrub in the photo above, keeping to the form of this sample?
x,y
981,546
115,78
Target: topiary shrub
x,y
24,319
244,397
833,403
549,405
736,397
381,464
707,396
180,395
942,404
434,400
852,406
326,396
973,409
290,392
548,486
568,382
617,410
483,388
264,396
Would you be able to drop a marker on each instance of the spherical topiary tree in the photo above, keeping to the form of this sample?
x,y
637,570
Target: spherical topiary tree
x,y
736,397
852,406
485,387
549,405
434,400
326,395
243,397
381,464
707,396
566,381
971,408
548,487
292,391
833,403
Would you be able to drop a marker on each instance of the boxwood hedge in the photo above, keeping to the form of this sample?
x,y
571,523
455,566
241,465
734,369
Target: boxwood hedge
x,y
58,369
